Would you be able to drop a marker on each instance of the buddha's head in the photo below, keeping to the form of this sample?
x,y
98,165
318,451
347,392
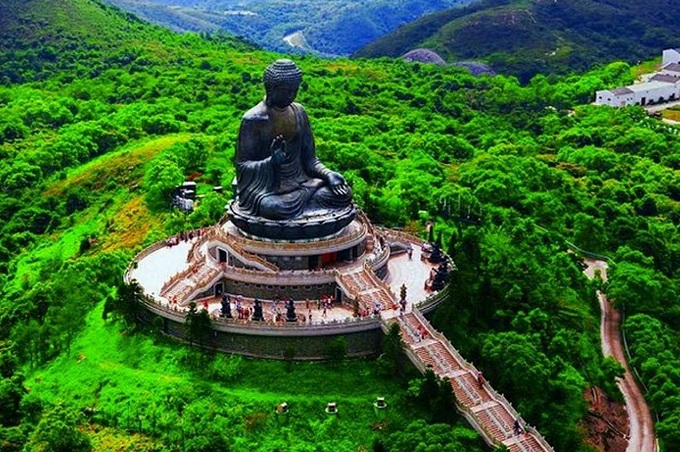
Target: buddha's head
x,y
281,81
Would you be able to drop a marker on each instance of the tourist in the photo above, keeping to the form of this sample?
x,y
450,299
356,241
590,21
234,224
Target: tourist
x,y
518,427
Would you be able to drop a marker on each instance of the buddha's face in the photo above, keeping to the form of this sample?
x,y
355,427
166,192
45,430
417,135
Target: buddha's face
x,y
282,96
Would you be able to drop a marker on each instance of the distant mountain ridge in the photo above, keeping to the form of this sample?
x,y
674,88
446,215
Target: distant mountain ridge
x,y
525,37
330,27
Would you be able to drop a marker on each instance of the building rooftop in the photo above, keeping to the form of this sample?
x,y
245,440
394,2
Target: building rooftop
x,y
672,67
621,91
647,86
664,78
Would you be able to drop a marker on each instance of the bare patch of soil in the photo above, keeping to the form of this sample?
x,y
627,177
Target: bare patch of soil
x,y
606,423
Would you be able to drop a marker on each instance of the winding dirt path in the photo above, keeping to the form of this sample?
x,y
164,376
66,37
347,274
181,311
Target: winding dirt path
x,y
641,436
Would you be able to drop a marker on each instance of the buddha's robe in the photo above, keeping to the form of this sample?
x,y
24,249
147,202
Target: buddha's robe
x,y
298,186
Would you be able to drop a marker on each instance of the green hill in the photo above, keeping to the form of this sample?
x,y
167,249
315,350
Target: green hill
x,y
101,113
546,36
330,27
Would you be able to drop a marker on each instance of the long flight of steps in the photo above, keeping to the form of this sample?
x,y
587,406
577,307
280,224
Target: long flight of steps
x,y
488,411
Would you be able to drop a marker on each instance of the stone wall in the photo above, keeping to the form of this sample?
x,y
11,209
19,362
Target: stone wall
x,y
267,291
310,347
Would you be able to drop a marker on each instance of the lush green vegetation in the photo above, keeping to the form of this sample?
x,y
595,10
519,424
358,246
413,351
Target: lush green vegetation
x,y
526,38
101,114
331,27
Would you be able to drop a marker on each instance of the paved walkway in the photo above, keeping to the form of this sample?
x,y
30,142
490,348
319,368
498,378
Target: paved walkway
x,y
641,435
319,316
158,267
660,107
413,272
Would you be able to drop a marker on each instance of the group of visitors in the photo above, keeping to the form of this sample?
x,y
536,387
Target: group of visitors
x,y
421,333
184,236
276,312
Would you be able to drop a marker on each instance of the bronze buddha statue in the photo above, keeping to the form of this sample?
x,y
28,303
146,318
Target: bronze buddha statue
x,y
278,176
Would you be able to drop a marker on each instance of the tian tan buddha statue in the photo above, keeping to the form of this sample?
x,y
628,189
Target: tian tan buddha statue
x,y
282,189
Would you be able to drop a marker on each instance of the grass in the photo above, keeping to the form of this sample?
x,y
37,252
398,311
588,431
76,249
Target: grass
x,y
118,219
671,113
124,376
646,67
124,165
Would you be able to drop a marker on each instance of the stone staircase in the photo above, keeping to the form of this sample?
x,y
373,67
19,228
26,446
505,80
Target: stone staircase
x,y
489,412
362,285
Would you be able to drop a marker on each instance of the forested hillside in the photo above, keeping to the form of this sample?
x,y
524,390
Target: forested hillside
x,y
540,36
100,115
330,27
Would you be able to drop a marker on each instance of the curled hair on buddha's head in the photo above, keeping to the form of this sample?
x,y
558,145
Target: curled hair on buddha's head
x,y
282,73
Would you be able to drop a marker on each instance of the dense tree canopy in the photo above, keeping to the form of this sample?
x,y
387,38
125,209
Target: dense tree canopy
x,y
97,128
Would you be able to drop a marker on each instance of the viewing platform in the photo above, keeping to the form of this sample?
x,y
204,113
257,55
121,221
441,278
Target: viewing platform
x,y
357,273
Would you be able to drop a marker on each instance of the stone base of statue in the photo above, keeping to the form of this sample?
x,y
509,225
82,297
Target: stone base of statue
x,y
314,225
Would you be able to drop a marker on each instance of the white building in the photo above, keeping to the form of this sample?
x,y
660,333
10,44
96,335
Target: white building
x,y
663,86
670,56
658,90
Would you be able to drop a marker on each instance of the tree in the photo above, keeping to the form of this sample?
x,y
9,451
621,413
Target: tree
x,y
518,368
391,359
589,232
11,392
57,432
8,359
419,436
128,301
436,395
197,324
160,181
336,350
69,320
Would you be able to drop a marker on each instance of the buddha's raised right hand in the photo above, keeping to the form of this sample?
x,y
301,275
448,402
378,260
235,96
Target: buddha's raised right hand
x,y
278,149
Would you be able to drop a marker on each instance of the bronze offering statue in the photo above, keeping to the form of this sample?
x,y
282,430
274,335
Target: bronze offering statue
x,y
282,188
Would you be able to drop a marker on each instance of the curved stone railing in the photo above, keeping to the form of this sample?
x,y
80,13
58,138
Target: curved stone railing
x,y
428,304
364,219
332,327
380,259
150,249
402,236
253,259
293,277
280,248
141,255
